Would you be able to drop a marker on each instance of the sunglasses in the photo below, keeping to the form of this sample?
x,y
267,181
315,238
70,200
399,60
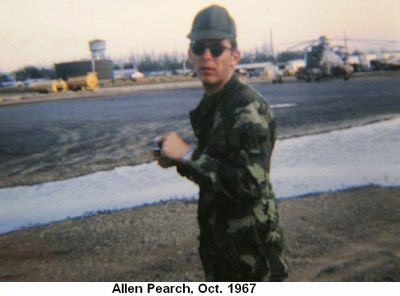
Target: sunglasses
x,y
216,49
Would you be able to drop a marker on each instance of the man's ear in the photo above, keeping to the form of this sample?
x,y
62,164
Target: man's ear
x,y
236,55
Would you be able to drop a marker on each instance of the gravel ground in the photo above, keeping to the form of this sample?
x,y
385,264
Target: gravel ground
x,y
350,235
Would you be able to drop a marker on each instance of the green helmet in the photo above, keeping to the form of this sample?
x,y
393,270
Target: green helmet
x,y
213,22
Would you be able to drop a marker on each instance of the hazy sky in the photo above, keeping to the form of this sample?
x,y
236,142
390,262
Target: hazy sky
x,y
43,32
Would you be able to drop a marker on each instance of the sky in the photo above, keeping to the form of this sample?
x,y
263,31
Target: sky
x,y
44,32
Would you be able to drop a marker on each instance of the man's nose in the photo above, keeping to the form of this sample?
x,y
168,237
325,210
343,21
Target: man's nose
x,y
207,54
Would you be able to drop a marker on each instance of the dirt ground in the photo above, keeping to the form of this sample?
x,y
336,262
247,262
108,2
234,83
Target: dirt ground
x,y
351,235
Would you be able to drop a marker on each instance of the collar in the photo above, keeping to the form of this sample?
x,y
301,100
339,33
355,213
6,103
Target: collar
x,y
209,101
198,116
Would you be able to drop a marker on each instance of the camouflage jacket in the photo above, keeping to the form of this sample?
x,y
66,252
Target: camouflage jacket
x,y
235,129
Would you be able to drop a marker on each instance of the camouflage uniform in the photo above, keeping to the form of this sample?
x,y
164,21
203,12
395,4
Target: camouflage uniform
x,y
240,239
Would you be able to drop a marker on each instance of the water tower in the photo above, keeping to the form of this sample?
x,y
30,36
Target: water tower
x,y
98,49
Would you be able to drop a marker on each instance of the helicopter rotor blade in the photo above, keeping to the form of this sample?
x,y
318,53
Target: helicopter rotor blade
x,y
307,42
374,40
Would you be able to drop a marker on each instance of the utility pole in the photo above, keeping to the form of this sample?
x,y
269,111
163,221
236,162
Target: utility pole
x,y
272,45
345,42
184,66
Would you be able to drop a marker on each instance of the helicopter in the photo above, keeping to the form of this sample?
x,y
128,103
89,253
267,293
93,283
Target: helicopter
x,y
323,60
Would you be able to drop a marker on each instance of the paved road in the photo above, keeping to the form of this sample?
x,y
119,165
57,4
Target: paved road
x,y
56,140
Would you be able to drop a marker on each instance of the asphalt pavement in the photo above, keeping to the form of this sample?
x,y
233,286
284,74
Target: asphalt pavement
x,y
62,139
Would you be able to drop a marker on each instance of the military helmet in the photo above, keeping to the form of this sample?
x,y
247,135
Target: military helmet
x,y
213,22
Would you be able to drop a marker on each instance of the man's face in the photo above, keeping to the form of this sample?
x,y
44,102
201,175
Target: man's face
x,y
214,70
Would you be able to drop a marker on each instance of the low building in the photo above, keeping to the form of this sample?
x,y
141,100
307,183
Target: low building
x,y
104,69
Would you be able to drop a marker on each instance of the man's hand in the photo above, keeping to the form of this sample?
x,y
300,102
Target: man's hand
x,y
173,147
163,161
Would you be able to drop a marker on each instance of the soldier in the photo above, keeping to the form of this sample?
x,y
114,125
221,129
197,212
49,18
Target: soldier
x,y
240,238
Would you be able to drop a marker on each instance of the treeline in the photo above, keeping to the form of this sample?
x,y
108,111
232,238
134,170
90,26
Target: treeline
x,y
32,72
171,62
174,62
260,56
151,62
